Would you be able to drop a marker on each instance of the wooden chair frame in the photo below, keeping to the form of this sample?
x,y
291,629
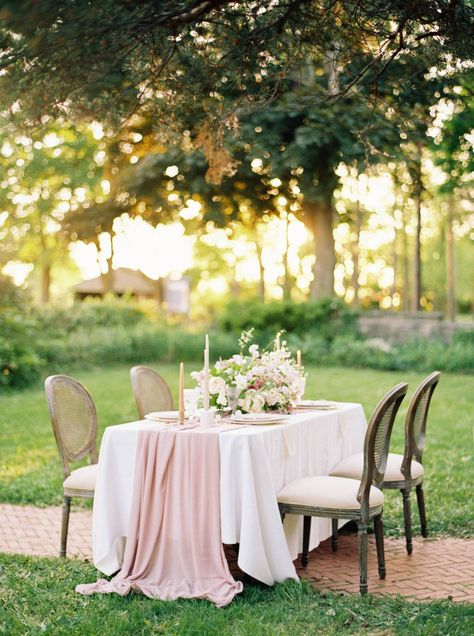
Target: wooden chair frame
x,y
372,474
414,447
135,374
52,385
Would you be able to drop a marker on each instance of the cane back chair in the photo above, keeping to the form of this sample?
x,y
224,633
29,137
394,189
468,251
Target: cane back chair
x,y
404,472
150,390
74,421
343,498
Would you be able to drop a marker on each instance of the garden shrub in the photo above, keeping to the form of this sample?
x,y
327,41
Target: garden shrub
x,y
464,337
436,354
90,314
59,340
418,354
327,317
139,344
20,364
12,297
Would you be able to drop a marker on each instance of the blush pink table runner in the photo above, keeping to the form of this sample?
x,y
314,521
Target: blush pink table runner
x,y
174,548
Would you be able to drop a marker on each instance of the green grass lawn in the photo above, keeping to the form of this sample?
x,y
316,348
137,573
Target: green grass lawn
x,y
37,597
30,469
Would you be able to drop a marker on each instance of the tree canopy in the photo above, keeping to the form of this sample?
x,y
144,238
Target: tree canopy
x,y
195,60
248,108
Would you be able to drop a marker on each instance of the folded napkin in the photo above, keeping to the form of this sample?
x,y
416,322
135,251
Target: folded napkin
x,y
174,548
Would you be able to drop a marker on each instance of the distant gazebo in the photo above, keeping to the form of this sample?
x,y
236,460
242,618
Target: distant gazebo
x,y
119,282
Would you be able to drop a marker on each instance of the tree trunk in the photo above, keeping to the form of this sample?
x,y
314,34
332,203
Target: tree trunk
x,y
286,279
394,260
450,262
405,264
261,282
235,288
417,190
108,278
45,284
356,254
159,291
332,72
319,217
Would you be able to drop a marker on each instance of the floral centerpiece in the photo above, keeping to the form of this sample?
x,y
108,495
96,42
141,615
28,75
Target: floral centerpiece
x,y
255,381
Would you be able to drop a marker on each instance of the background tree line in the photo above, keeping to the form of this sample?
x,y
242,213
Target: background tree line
x,y
251,110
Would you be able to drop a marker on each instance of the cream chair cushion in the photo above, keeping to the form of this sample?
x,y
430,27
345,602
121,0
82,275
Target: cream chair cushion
x,y
81,479
327,492
352,467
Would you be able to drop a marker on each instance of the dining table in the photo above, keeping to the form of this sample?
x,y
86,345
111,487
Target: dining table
x,y
255,463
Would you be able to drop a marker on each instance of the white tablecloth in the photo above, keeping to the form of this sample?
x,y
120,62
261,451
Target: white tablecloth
x,y
255,463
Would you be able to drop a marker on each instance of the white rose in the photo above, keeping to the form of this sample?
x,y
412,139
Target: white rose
x,y
258,403
241,382
245,403
198,376
216,385
272,397
221,399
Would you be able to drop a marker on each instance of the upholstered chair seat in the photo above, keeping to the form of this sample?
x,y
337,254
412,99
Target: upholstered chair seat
x,y
353,466
328,492
81,482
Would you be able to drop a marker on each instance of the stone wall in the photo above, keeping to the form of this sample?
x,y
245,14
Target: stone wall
x,y
400,326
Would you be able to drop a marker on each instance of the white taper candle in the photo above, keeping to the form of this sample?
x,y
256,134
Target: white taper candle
x,y
181,394
206,374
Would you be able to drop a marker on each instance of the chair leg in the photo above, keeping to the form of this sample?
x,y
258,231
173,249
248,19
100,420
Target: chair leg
x,y
306,535
65,525
420,497
378,527
282,516
407,519
334,537
362,536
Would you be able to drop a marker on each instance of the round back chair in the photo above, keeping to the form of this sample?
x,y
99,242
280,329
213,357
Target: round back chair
x,y
346,498
150,390
74,419
415,423
377,441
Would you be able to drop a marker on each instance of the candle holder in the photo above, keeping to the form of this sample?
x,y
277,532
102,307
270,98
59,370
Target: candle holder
x,y
206,418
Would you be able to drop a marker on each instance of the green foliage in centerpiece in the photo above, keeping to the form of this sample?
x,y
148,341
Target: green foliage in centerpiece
x,y
255,381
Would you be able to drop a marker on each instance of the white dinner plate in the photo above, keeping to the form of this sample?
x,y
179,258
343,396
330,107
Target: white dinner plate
x,y
163,416
311,405
258,418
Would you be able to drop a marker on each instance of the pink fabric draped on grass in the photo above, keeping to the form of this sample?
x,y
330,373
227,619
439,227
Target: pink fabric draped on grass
x,y
174,548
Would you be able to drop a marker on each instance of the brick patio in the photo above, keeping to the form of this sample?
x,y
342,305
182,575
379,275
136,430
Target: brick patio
x,y
437,569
